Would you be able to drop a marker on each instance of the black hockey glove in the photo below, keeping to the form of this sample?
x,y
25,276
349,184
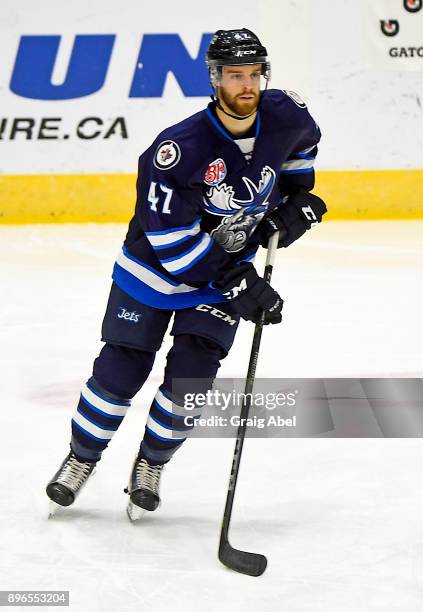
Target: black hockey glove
x,y
250,294
293,218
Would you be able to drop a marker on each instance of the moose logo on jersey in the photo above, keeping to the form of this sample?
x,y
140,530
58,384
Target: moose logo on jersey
x,y
241,217
216,172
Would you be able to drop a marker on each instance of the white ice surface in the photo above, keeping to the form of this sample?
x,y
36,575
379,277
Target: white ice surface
x,y
339,519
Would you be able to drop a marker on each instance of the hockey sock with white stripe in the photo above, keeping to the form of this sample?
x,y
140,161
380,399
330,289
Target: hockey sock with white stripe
x,y
97,418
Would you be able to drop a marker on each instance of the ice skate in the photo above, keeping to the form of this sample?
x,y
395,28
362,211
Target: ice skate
x,y
67,482
143,488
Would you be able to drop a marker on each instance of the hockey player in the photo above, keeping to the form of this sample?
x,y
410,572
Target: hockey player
x,y
210,190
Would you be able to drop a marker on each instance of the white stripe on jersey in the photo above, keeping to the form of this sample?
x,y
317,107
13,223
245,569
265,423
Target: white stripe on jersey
x,y
173,235
185,259
306,150
149,278
298,164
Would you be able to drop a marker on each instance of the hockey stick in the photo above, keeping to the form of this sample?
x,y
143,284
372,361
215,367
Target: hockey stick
x,y
252,564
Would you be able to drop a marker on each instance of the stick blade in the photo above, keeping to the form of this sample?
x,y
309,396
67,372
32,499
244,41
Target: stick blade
x,y
251,564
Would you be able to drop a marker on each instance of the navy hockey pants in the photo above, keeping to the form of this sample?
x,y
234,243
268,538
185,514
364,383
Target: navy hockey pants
x,y
133,332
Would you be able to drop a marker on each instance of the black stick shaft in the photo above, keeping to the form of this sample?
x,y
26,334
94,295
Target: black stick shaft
x,y
245,409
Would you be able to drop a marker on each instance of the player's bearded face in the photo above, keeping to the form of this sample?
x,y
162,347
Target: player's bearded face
x,y
239,89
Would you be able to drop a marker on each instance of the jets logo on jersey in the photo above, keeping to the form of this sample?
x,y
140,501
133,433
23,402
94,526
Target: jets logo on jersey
x,y
240,217
216,172
295,98
167,155
133,316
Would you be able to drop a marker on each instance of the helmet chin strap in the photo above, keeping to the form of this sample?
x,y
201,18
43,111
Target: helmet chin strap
x,y
215,98
220,107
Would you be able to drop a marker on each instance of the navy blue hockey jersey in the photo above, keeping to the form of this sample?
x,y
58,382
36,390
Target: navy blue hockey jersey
x,y
200,199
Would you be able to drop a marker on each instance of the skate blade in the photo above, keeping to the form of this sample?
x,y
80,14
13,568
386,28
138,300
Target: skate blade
x,y
134,512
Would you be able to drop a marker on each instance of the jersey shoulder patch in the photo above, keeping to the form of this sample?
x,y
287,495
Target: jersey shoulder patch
x,y
295,98
167,155
183,148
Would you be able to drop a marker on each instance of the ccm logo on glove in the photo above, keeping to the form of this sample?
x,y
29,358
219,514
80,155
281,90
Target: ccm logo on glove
x,y
250,294
235,291
309,214
297,214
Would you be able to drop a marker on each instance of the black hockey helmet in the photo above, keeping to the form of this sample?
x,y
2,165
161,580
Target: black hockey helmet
x,y
235,47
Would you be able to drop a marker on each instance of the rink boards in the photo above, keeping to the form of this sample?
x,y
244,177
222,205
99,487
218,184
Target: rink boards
x,y
359,194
